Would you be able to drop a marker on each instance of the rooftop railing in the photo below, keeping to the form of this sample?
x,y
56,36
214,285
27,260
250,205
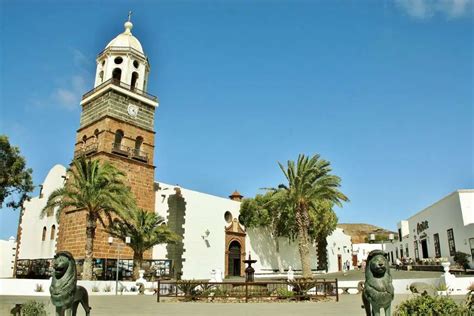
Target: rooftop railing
x,y
128,152
121,84
86,150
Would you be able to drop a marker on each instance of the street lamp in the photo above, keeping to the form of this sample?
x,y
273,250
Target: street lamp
x,y
111,240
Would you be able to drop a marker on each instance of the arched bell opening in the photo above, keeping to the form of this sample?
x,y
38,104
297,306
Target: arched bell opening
x,y
133,83
117,74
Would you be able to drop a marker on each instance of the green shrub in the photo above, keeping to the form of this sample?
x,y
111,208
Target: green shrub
x,y
220,291
426,305
189,288
33,308
461,259
282,292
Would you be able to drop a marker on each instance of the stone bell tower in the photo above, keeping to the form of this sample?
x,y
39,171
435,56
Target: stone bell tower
x,y
116,126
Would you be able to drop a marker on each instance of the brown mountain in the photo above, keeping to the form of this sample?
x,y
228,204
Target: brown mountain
x,y
360,232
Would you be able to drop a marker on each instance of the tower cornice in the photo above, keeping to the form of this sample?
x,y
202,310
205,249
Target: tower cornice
x,y
121,87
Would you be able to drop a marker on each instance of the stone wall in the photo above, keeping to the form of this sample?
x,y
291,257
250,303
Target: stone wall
x,y
114,104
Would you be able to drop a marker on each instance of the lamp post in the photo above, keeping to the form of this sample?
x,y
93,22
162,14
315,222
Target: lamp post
x,y
111,240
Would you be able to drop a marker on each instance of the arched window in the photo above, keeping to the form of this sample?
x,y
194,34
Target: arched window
x,y
134,80
138,144
118,138
96,135
53,231
117,74
101,76
43,237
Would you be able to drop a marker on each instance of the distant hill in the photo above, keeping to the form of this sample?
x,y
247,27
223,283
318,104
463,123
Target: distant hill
x,y
359,232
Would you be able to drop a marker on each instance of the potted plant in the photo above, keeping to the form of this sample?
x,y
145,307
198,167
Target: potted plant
x,y
442,289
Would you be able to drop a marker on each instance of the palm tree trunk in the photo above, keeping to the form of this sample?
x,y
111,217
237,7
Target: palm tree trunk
x,y
91,225
322,253
137,264
303,244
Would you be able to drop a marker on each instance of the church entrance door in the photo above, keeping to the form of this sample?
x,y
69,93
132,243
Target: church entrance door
x,y
234,259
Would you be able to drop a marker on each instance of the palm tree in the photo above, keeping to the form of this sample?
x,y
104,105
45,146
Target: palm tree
x,y
145,229
310,185
99,190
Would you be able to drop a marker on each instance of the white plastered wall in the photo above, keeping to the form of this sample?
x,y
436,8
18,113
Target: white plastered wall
x,y
264,249
453,211
203,213
7,257
31,245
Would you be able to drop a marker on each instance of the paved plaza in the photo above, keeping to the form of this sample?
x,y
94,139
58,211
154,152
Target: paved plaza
x,y
355,275
146,305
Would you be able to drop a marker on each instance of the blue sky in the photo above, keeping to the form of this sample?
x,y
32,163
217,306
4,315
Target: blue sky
x,y
382,89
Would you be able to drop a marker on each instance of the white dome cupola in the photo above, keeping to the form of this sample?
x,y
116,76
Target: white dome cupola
x,y
123,61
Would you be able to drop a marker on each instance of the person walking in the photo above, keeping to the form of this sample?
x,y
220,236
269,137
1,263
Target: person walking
x,y
398,264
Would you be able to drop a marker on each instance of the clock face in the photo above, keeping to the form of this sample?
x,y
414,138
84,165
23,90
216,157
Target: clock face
x,y
132,110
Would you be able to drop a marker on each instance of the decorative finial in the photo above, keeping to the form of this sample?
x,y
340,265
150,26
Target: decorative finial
x,y
128,25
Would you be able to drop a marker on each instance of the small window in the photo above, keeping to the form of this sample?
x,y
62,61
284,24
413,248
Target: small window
x,y
101,76
437,246
451,244
43,237
53,231
138,144
103,63
96,135
118,60
135,64
228,216
118,137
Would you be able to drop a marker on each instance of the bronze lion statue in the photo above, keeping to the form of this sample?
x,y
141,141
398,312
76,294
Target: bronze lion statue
x,y
378,289
65,293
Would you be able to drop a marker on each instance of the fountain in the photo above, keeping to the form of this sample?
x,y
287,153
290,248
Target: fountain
x,y
249,271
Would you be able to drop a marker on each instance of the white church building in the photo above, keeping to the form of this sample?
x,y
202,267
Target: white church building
x,y
213,239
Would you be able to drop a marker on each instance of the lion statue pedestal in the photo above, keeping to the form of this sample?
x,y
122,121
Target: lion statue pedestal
x,y
65,293
378,289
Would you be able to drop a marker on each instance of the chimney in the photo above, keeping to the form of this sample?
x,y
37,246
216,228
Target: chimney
x,y
236,196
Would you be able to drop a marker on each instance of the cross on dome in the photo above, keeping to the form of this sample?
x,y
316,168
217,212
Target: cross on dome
x,y
128,25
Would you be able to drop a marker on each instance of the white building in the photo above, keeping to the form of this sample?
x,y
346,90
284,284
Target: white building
x,y
7,257
362,250
440,230
212,237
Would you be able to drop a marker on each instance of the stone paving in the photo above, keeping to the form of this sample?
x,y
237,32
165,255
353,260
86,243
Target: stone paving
x,y
146,305
355,275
